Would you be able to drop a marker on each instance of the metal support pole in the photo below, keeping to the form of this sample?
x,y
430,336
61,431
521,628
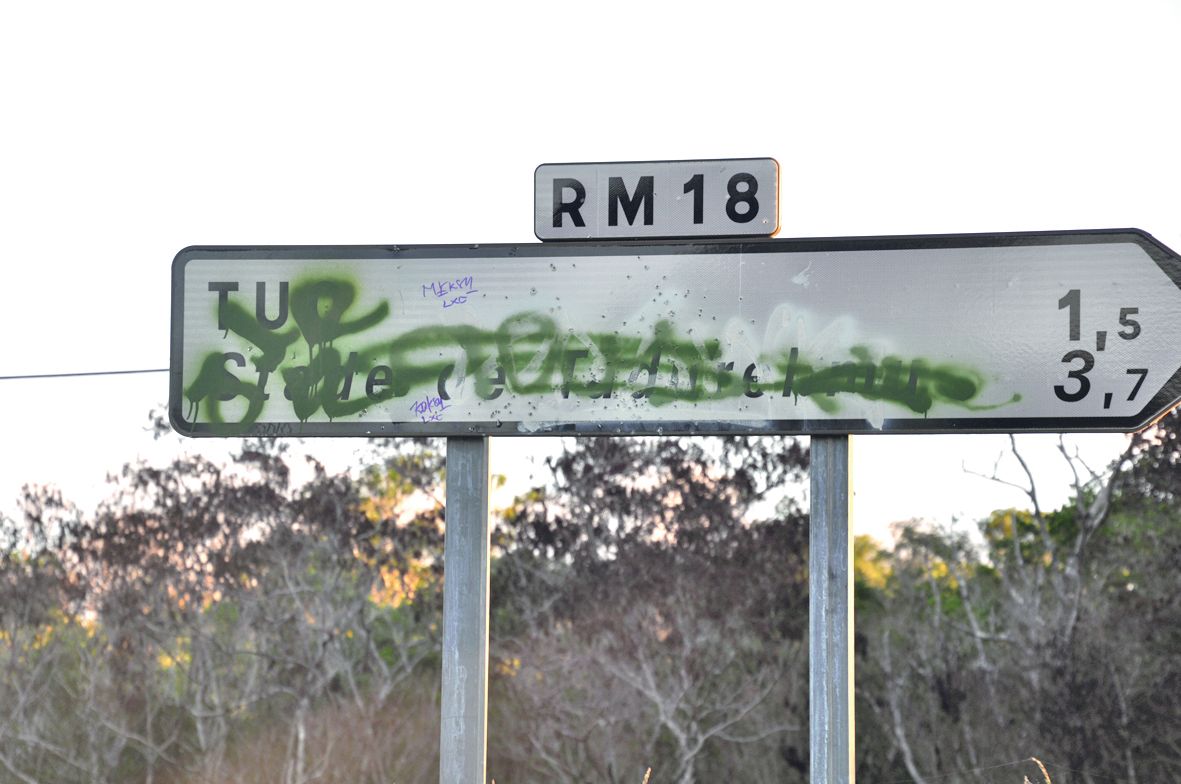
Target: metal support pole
x,y
830,613
463,733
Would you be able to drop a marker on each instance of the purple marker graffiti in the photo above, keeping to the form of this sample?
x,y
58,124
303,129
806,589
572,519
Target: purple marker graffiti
x,y
451,292
430,408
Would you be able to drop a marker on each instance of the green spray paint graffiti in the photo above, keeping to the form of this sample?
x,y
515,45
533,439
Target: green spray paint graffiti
x,y
527,355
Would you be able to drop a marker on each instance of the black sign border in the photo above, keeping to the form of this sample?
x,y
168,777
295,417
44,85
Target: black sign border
x,y
1164,400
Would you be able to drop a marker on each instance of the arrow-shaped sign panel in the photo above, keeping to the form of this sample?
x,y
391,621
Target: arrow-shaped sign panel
x,y
1053,331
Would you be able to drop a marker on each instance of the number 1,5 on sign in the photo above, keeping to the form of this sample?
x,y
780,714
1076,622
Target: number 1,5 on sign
x,y
1071,302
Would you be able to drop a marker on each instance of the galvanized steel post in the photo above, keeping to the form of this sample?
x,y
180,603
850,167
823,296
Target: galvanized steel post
x,y
464,727
830,613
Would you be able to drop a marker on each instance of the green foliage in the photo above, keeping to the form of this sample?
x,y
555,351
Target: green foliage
x,y
222,622
644,614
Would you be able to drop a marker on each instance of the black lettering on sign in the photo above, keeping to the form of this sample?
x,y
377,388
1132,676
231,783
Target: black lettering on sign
x,y
1143,374
231,381
380,377
751,380
491,388
260,309
350,369
724,376
617,195
1078,374
1073,302
696,186
744,196
1133,326
789,379
223,289
570,358
571,208
653,369
444,374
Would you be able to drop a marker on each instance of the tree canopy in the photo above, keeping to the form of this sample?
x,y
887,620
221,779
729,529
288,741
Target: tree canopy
x,y
224,622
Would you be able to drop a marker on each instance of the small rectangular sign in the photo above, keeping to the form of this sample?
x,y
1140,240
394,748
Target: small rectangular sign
x,y
734,197
1057,331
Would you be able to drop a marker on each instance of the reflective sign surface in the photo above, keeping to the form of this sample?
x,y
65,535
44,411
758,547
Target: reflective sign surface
x,y
1047,331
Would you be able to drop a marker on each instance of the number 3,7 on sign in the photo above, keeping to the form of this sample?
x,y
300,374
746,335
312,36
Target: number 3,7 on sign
x,y
1072,303
736,197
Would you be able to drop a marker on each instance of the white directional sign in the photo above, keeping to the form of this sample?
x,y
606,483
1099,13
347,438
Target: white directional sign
x,y
706,198
1068,331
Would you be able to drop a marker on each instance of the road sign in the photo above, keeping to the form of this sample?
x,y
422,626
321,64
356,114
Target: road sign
x,y
1065,331
656,199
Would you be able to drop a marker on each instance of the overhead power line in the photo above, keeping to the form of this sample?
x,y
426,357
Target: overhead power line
x,y
82,375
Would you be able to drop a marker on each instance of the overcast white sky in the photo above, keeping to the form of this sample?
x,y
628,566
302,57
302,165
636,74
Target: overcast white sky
x,y
130,130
